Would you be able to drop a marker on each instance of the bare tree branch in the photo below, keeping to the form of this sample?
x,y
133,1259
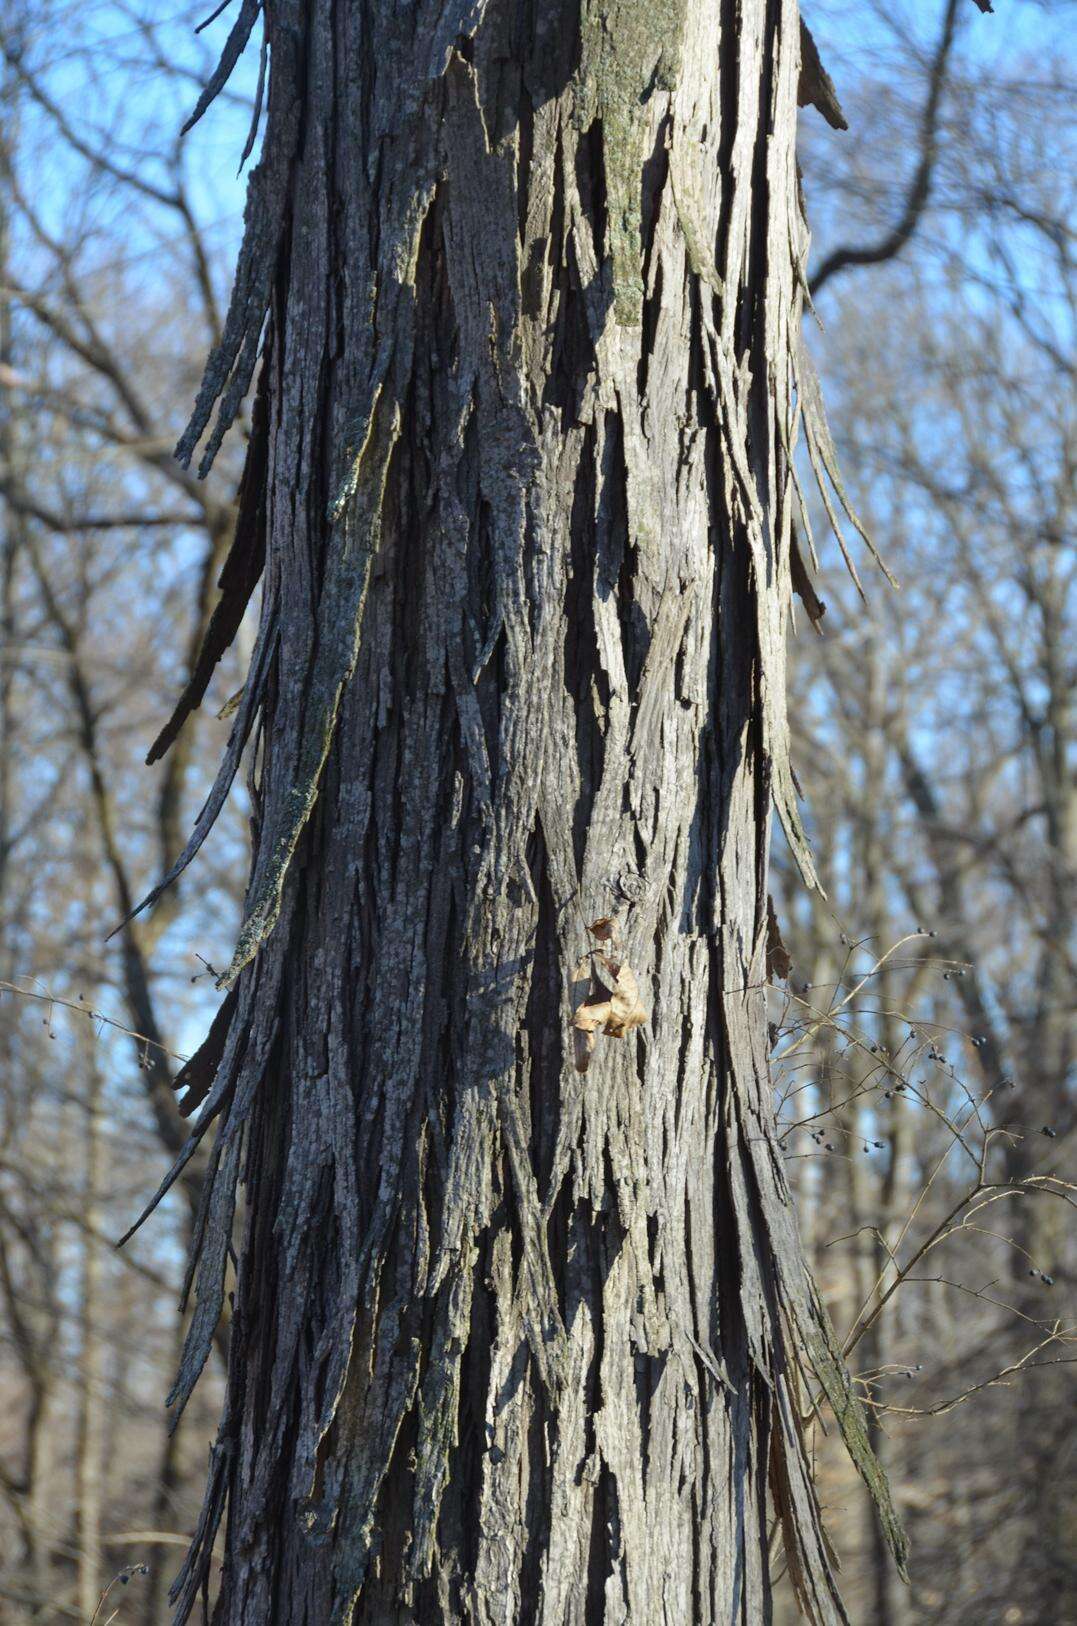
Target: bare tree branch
x,y
916,201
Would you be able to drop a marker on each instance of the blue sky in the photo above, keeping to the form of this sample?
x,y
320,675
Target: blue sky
x,y
98,68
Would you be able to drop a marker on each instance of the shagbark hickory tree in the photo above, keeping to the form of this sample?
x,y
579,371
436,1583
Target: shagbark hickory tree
x,y
510,1341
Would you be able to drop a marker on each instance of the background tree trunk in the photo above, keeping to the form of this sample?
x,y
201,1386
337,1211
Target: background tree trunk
x,y
90,1444
510,1342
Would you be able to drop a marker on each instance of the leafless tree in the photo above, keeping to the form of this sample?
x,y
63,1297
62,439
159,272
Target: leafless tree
x,y
940,764
559,672
514,1333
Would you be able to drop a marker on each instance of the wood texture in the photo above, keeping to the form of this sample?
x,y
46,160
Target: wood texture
x,y
511,1342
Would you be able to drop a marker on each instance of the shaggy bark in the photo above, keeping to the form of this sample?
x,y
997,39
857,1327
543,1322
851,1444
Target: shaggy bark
x,y
511,1342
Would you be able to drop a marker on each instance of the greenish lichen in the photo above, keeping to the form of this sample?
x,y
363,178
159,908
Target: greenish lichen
x,y
629,50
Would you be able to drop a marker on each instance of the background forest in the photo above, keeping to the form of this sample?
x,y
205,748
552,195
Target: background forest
x,y
924,1035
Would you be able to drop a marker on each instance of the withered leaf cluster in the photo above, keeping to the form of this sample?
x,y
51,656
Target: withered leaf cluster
x,y
610,1001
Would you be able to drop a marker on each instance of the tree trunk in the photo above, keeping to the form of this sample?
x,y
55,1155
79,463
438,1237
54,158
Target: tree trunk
x,y
878,1240
511,1342
90,1454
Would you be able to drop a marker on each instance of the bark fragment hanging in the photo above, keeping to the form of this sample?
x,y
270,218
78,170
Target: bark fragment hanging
x,y
779,959
815,87
803,586
240,575
230,55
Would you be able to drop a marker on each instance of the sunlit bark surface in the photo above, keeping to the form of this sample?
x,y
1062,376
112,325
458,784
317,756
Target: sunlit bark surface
x,y
511,1342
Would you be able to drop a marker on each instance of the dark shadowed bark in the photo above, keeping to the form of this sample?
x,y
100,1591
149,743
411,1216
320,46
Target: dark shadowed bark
x,y
511,1342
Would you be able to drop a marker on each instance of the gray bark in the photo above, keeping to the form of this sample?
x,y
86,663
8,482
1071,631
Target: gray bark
x,y
511,1342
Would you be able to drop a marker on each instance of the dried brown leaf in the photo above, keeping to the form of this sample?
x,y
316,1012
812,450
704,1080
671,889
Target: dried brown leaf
x,y
626,1009
610,1004
584,1044
590,1017
605,972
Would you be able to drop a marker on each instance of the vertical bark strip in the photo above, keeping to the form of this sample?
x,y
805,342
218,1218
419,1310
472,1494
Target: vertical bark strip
x,y
509,1342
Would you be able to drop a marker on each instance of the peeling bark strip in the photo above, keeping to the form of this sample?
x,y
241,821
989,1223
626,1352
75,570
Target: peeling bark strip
x,y
816,88
511,1343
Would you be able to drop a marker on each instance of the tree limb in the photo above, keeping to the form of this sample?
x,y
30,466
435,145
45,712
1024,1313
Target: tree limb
x,y
849,255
